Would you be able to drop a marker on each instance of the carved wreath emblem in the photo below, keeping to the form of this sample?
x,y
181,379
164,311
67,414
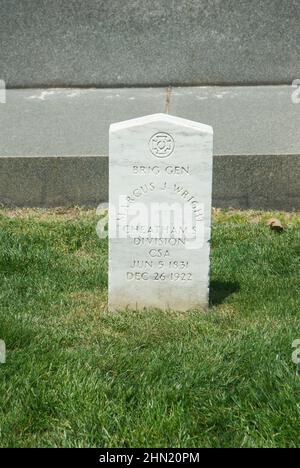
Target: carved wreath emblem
x,y
161,145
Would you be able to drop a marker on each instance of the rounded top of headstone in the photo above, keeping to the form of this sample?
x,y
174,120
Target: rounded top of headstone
x,y
163,118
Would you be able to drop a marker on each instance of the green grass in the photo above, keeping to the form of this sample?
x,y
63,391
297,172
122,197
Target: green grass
x,y
78,376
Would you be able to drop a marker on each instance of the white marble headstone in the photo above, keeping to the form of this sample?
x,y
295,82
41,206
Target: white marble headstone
x,y
160,182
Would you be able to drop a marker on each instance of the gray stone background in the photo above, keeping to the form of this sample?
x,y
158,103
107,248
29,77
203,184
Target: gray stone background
x,y
227,63
110,43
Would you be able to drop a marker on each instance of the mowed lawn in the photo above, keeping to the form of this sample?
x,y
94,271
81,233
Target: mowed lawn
x,y
79,376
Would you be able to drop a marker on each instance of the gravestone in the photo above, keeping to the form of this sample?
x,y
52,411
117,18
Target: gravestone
x,y
2,352
160,182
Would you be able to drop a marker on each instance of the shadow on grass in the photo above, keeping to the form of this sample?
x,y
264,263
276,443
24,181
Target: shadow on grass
x,y
220,290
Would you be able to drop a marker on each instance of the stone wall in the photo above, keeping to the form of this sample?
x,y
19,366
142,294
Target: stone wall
x,y
107,43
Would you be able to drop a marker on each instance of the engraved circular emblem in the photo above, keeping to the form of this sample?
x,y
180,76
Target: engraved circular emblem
x,y
161,145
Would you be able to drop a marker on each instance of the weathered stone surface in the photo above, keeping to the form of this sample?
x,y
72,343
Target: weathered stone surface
x,y
247,120
160,182
54,143
137,42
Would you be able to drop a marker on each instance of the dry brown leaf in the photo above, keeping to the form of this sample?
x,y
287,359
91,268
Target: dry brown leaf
x,y
275,224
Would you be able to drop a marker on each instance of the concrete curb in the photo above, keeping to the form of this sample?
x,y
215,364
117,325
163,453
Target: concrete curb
x,y
54,144
258,182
